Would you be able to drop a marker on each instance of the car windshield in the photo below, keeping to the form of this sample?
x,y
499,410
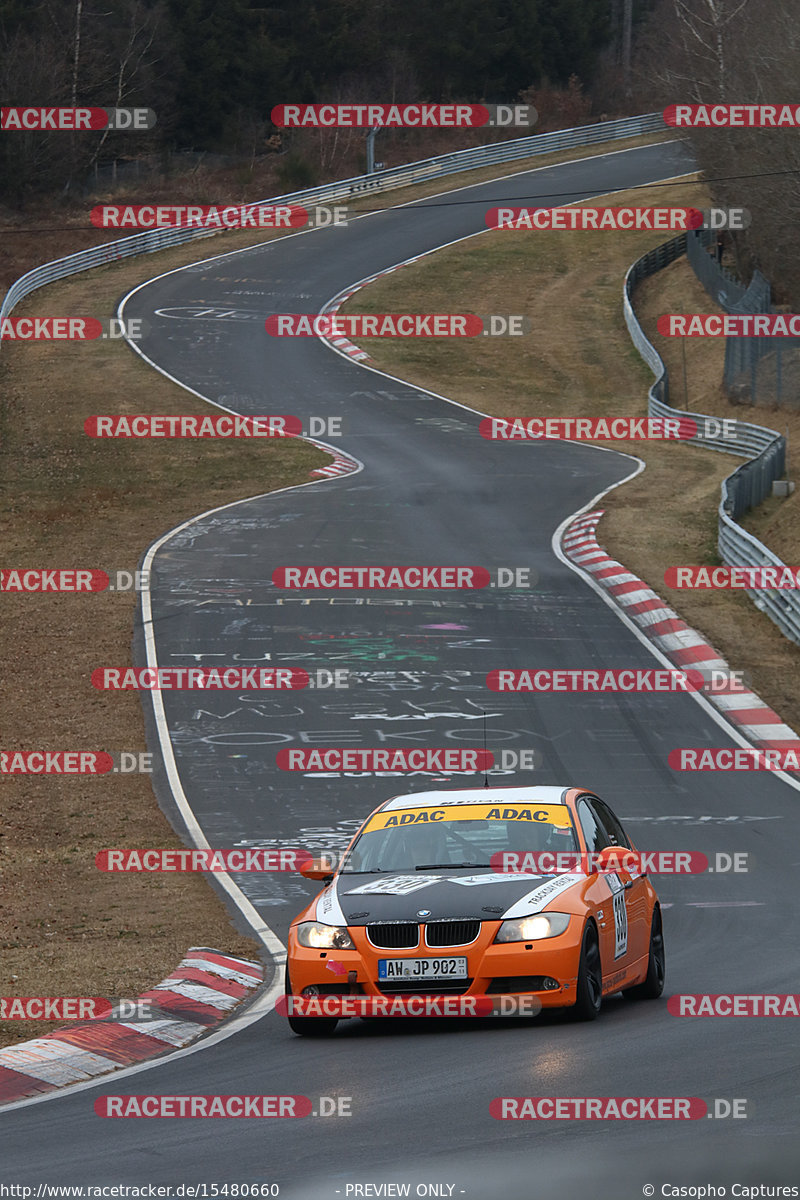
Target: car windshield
x,y
441,839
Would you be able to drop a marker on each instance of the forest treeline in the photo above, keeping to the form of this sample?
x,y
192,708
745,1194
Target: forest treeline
x,y
213,69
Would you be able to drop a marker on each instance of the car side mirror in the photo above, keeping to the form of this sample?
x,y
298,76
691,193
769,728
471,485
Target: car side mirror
x,y
612,858
318,868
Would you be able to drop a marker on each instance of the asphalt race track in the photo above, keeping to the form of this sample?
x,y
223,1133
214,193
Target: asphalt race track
x,y
433,491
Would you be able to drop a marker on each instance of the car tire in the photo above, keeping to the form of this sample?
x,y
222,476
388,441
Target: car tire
x,y
589,991
652,985
308,1026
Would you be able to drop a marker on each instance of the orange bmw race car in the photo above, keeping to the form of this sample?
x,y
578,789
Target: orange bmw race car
x,y
423,904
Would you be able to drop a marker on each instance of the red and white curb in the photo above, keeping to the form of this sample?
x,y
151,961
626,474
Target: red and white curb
x,y
200,993
341,465
343,344
681,644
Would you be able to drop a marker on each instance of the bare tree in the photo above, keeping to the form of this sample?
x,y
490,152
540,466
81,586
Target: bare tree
x,y
132,56
627,32
703,25
725,51
76,51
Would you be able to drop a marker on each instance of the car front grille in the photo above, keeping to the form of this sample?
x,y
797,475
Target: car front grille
x,y
451,933
404,935
395,935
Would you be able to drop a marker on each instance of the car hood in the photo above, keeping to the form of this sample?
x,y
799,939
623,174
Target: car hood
x,y
361,899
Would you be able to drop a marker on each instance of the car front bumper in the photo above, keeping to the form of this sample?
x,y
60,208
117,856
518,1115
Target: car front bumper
x,y
547,968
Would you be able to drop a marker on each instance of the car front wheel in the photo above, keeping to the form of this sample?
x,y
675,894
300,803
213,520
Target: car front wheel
x,y
589,992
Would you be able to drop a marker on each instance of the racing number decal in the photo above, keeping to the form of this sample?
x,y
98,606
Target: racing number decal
x,y
620,925
620,916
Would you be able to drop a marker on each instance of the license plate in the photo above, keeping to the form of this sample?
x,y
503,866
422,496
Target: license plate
x,y
422,968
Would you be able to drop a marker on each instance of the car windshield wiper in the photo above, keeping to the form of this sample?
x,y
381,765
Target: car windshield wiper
x,y
440,866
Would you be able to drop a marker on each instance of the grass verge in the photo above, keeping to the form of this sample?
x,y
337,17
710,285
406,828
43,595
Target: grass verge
x,y
65,928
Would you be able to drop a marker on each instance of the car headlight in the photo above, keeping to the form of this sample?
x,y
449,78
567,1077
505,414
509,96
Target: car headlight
x,y
533,929
324,937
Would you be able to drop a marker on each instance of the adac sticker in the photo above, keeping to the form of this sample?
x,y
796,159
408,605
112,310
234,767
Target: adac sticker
x,y
547,814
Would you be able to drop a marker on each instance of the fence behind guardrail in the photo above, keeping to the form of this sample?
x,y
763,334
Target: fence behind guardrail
x,y
758,370
749,484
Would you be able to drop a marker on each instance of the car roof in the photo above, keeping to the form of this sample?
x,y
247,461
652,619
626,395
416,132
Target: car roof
x,y
503,795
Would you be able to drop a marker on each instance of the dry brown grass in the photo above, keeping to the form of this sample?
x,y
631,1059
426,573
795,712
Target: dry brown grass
x,y
67,929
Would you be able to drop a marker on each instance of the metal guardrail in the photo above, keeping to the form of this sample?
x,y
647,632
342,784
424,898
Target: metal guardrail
x,y
737,547
429,168
749,484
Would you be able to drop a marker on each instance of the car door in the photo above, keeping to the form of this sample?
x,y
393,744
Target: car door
x,y
635,887
617,914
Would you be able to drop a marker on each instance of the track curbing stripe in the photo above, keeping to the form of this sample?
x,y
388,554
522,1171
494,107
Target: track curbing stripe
x,y
206,985
682,645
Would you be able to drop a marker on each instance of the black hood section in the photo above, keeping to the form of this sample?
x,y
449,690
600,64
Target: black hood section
x,y
443,897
